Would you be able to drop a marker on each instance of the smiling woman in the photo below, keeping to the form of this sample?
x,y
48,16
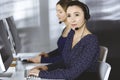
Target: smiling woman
x,y
80,53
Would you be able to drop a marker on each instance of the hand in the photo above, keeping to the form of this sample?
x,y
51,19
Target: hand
x,y
41,68
34,72
43,54
36,59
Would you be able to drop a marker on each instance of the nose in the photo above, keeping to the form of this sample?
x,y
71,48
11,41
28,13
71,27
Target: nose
x,y
72,19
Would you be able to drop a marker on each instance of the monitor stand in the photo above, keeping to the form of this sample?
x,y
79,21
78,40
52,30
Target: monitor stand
x,y
8,73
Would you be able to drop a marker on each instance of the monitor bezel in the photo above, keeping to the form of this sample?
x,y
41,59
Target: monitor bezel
x,y
5,51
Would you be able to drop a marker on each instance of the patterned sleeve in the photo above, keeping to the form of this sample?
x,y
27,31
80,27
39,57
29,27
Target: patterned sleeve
x,y
53,53
58,64
53,56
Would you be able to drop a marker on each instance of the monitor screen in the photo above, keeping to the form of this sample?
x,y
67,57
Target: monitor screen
x,y
2,67
14,33
4,34
5,51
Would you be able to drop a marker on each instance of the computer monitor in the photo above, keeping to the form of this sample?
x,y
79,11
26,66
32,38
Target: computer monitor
x,y
4,34
6,56
4,31
2,67
14,33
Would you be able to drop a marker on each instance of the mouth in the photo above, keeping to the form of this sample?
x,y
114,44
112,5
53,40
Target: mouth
x,y
74,25
59,18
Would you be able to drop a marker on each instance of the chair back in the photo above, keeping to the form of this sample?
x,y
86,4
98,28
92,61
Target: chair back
x,y
104,70
103,53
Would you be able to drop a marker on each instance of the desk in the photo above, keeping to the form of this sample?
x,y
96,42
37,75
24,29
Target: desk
x,y
26,55
8,73
12,71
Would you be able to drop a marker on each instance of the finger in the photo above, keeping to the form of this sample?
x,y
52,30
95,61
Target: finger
x,y
41,53
31,71
35,68
38,67
29,59
32,74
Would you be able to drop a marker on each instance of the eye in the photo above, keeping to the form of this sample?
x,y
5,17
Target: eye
x,y
60,12
76,14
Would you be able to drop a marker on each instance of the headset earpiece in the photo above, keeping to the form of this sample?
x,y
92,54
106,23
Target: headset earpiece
x,y
87,14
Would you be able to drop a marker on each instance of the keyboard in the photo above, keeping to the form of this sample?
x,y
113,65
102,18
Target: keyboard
x,y
30,77
33,78
26,73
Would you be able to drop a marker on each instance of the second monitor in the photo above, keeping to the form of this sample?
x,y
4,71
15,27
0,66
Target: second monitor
x,y
14,33
5,51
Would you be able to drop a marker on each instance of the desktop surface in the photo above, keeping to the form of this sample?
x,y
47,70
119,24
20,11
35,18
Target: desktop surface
x,y
8,73
13,74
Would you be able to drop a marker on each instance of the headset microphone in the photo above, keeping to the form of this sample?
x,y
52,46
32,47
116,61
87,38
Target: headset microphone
x,y
60,22
77,28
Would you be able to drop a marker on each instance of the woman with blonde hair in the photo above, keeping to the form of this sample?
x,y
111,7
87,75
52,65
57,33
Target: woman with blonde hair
x,y
55,55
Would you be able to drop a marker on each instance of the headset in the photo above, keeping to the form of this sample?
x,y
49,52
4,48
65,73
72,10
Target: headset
x,y
85,9
86,12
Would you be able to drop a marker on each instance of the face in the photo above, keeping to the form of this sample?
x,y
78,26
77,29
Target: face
x,y
61,14
75,16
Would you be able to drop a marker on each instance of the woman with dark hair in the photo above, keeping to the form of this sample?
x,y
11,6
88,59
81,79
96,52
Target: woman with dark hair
x,y
81,49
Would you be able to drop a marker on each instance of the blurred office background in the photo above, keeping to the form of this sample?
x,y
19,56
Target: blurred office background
x,y
39,29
